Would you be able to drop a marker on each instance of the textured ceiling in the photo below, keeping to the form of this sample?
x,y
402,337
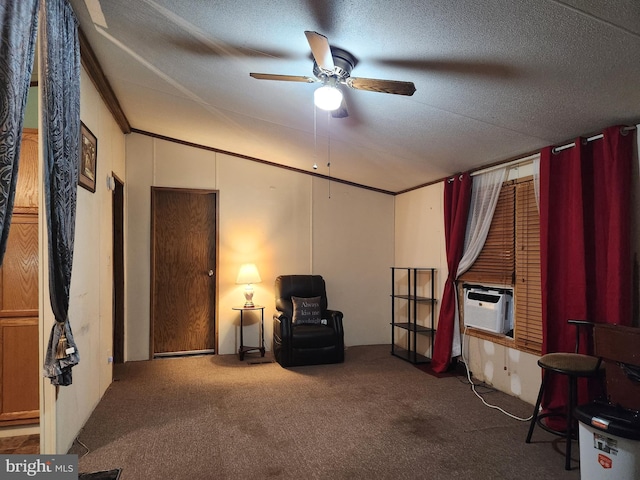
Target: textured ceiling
x,y
495,79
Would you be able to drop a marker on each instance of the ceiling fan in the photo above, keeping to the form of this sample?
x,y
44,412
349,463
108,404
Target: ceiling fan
x,y
332,67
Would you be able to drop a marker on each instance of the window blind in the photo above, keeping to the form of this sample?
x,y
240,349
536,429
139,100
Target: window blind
x,y
527,289
496,263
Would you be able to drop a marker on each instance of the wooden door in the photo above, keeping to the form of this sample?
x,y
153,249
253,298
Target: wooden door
x,y
19,363
183,266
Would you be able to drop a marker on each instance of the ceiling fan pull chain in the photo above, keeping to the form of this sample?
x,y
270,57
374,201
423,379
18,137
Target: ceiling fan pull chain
x,y
329,149
315,138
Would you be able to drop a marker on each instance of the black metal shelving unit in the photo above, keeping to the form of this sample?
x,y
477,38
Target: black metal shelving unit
x,y
412,326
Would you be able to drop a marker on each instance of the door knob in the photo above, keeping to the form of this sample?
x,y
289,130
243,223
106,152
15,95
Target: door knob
x,y
210,273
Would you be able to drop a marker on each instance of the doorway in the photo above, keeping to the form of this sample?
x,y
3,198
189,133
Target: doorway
x,y
184,249
118,271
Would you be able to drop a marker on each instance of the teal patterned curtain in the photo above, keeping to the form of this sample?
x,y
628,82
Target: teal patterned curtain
x,y
61,142
19,24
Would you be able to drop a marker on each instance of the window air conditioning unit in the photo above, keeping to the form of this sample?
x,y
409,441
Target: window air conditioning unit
x,y
488,308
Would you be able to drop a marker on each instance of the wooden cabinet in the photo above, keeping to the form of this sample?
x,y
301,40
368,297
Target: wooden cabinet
x,y
19,362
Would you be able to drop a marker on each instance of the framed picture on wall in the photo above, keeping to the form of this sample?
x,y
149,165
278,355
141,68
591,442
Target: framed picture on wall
x,y
88,159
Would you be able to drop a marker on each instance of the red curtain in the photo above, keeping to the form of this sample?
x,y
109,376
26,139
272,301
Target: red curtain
x,y
585,243
457,198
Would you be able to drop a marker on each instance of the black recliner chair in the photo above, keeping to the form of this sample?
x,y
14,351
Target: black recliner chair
x,y
305,332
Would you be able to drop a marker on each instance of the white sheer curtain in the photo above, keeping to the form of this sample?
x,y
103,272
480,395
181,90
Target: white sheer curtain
x,y
536,180
484,198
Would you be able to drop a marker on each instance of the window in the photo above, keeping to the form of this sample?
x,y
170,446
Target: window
x,y
511,257
496,263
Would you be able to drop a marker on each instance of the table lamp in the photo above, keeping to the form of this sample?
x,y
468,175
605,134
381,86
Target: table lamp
x,y
248,275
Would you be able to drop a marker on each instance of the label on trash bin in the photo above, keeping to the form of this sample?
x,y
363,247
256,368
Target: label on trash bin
x,y
604,461
605,444
600,423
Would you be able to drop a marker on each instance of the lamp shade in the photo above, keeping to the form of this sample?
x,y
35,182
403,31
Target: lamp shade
x,y
248,274
327,97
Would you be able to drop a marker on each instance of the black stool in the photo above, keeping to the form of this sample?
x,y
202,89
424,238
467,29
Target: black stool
x,y
574,366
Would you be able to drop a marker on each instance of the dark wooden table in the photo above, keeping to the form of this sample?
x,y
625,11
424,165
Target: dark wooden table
x,y
243,348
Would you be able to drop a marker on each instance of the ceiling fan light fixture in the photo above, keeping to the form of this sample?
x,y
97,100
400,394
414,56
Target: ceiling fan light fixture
x,y
327,98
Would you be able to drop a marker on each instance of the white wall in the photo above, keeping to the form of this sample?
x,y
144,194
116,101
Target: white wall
x,y
277,218
507,369
90,303
264,219
352,247
31,109
419,242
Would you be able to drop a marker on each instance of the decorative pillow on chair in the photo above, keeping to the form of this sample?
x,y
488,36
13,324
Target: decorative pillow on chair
x,y
306,311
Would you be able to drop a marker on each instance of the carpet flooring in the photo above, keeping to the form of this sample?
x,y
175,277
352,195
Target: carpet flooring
x,y
372,417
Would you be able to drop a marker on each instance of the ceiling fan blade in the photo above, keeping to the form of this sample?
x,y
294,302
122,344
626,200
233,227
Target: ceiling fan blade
x,y
323,13
383,86
321,50
451,66
283,78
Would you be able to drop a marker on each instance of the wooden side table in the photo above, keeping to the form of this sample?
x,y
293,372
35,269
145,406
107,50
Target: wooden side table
x,y
244,349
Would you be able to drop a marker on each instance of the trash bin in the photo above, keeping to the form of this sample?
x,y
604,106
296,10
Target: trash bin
x,y
609,442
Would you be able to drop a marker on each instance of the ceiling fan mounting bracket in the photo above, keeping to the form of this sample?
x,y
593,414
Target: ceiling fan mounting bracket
x,y
343,62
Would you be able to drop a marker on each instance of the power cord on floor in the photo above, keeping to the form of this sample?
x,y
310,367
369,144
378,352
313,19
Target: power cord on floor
x,y
487,388
77,440
86,448
473,387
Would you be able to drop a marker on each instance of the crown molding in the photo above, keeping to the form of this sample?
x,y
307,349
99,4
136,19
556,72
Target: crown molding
x,y
97,76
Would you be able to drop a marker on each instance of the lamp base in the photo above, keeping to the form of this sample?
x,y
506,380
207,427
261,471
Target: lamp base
x,y
248,297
